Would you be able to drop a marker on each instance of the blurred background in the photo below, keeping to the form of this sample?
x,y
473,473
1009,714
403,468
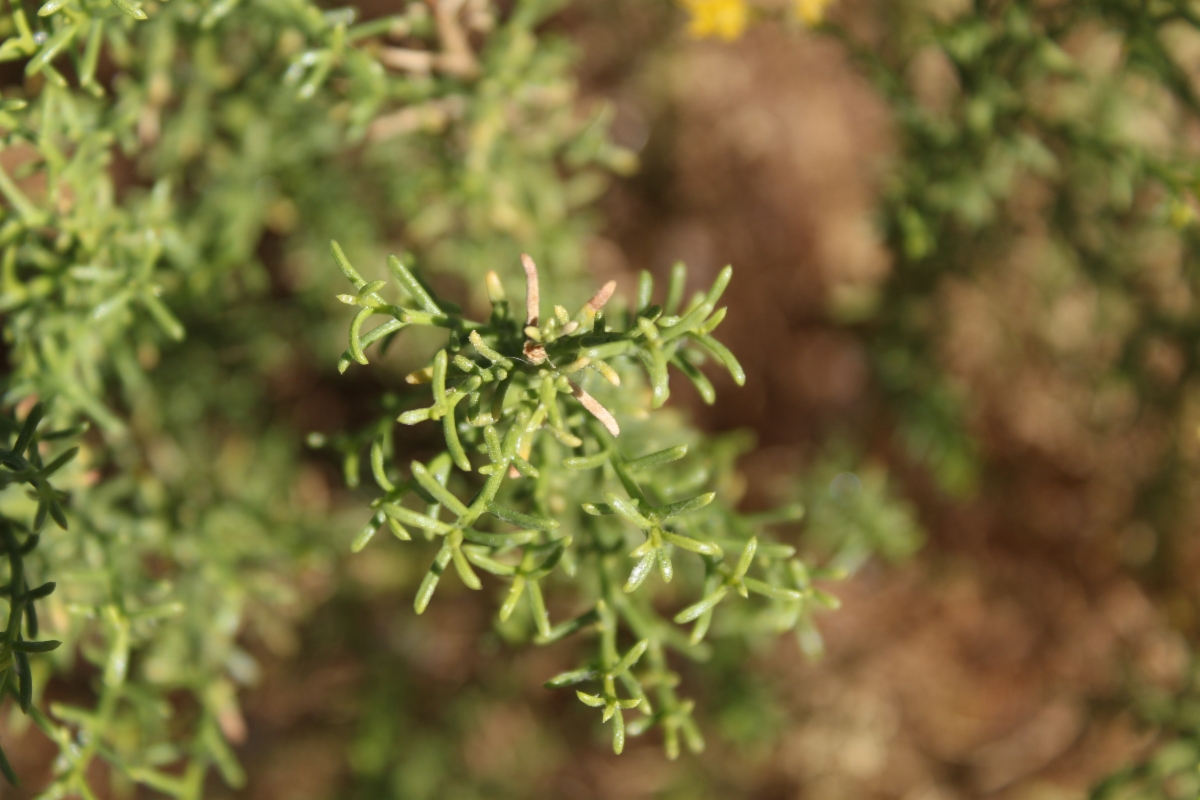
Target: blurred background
x,y
964,298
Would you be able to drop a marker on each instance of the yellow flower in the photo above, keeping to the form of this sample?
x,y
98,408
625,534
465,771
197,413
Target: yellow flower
x,y
723,18
812,12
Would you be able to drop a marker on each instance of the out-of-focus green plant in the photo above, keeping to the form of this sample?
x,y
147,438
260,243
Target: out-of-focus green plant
x,y
1046,153
853,515
1171,768
1033,132
1170,773
536,487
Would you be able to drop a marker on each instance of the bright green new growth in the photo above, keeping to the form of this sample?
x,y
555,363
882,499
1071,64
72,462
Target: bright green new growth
x,y
535,488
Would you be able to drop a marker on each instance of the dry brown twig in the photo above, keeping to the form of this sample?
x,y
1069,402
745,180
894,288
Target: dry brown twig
x,y
533,349
536,352
455,57
596,408
432,116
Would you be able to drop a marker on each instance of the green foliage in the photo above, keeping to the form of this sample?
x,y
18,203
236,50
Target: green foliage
x,y
22,464
1051,134
1172,769
148,155
1170,773
534,487
1049,147
856,515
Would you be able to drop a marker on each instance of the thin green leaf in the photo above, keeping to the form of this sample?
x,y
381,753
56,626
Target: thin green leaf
x,y
824,598
417,520
564,629
57,513
691,734
66,433
630,658
453,443
658,458
521,520
526,469
665,568
344,265
489,564
770,550
413,286
694,611
571,678
628,510
50,50
364,535
718,287
414,416
463,567
537,606
724,355
640,570
618,732
774,592
645,289
747,557
693,545
590,699
683,506
59,462
91,55
712,322
429,583
514,596
367,339
9,774
24,681
443,495
28,427
398,530
514,539
586,462
544,569
379,468
485,350
356,348
707,393
656,368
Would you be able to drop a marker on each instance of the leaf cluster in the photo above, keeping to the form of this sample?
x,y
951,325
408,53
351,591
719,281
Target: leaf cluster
x,y
535,489
21,464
